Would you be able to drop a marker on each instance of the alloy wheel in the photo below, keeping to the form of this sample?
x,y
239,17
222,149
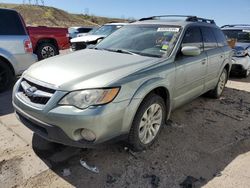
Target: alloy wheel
x,y
47,52
150,123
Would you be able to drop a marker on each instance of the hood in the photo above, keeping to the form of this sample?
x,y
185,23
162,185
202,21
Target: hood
x,y
242,45
87,68
87,38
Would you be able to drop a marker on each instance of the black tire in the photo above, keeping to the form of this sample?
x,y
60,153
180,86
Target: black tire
x,y
134,139
46,50
246,73
6,77
217,91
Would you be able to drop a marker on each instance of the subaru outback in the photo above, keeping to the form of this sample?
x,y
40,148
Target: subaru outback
x,y
127,86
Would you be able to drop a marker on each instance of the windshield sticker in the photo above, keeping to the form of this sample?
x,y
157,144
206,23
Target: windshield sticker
x,y
168,29
164,47
247,31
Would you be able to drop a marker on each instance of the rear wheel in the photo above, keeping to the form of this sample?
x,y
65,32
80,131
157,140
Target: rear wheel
x,y
218,90
46,50
6,77
147,123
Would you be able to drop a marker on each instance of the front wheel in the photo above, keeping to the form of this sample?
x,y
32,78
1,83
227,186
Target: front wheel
x,y
218,90
147,123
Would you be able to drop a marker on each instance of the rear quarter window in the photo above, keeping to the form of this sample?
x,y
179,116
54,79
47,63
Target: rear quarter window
x,y
10,23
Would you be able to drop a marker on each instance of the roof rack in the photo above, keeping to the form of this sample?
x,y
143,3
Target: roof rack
x,y
236,25
188,18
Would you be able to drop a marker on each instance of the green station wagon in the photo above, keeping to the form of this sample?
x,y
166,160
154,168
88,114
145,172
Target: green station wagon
x,y
127,85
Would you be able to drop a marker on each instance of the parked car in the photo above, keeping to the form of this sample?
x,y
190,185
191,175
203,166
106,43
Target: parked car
x,y
241,57
75,31
47,41
88,33
127,86
80,43
16,53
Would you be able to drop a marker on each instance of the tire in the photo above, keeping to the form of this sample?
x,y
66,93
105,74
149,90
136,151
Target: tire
x,y
218,90
144,123
6,77
46,50
246,73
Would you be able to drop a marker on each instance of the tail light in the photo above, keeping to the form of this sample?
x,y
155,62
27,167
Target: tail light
x,y
28,46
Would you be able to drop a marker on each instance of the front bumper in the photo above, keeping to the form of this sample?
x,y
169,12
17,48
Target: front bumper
x,y
78,46
61,124
240,64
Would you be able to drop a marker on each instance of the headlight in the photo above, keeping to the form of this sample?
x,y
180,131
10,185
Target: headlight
x,y
85,98
240,53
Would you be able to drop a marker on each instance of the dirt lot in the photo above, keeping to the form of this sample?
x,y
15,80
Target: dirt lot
x,y
206,143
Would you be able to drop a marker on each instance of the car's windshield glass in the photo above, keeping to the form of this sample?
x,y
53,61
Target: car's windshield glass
x,y
147,40
105,30
242,35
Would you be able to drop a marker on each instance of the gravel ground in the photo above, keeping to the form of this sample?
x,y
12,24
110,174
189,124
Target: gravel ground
x,y
206,143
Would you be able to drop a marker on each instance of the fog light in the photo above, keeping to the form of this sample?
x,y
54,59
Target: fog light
x,y
88,135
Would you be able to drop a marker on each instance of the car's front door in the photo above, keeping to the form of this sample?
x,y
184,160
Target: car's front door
x,y
190,70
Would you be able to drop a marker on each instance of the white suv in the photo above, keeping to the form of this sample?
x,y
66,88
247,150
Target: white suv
x,y
241,58
82,42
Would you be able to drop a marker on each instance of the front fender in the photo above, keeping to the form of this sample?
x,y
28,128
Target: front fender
x,y
142,91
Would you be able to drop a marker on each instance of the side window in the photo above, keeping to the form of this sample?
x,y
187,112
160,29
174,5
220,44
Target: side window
x,y
220,37
193,37
208,38
10,24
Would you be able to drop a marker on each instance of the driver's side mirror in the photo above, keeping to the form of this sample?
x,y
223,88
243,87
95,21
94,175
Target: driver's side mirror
x,y
190,51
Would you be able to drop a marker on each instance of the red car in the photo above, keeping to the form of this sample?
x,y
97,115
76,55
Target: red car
x,y
47,41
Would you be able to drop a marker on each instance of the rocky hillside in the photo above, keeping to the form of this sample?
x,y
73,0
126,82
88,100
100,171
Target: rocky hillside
x,y
49,16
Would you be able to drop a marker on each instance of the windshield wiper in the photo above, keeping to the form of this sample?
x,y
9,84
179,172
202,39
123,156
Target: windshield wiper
x,y
117,50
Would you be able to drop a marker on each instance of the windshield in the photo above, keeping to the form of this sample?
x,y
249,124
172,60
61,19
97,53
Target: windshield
x,y
106,30
239,35
147,40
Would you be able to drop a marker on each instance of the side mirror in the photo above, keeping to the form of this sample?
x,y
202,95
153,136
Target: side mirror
x,y
99,40
190,51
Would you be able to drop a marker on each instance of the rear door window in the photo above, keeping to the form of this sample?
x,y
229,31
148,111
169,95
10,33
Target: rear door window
x,y
10,23
220,37
209,39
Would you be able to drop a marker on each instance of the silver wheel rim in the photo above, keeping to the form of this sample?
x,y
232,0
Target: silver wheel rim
x,y
47,51
150,123
222,82
248,72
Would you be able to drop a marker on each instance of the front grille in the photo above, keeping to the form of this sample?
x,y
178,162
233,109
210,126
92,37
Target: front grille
x,y
78,46
35,93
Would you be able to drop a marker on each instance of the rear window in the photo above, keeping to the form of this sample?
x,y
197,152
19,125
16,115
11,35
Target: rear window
x,y
10,23
83,30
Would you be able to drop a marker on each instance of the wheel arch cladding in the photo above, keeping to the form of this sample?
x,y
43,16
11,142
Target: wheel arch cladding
x,y
7,62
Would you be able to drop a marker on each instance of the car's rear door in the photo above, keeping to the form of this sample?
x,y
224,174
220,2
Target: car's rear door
x,y
190,70
215,56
